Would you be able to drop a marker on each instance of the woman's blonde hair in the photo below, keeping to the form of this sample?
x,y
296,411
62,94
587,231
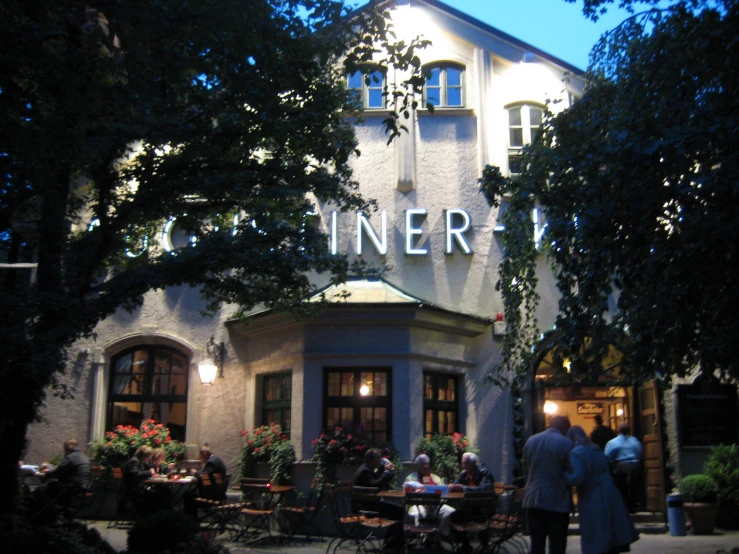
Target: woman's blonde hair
x,y
158,453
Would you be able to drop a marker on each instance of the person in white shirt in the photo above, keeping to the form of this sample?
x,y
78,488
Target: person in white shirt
x,y
625,455
424,476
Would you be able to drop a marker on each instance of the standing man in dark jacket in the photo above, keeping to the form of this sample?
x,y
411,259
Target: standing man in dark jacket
x,y
70,476
601,434
547,496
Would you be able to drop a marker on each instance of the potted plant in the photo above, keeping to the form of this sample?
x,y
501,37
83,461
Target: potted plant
x,y
445,452
121,443
723,466
700,494
267,444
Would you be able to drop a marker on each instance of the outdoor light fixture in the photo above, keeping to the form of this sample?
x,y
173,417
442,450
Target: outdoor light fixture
x,y
213,364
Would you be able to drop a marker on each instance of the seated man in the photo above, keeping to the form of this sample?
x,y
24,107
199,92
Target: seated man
x,y
212,464
473,477
69,477
377,471
424,476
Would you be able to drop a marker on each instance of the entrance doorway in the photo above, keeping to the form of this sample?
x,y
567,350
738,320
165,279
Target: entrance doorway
x,y
581,402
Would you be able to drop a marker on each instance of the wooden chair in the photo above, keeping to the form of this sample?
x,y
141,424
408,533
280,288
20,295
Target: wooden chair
x,y
257,514
427,506
217,512
299,518
124,511
373,524
339,498
476,511
508,522
84,500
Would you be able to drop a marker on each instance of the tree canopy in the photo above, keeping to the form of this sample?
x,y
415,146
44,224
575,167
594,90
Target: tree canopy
x,y
232,117
640,186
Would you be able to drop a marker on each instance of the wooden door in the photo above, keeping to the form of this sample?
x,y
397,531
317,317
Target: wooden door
x,y
651,429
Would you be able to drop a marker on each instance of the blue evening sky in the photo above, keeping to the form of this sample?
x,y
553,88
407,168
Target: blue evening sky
x,y
554,26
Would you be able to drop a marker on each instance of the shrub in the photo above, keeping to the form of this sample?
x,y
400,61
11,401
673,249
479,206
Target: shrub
x,y
698,488
722,465
445,452
167,530
267,444
21,536
121,443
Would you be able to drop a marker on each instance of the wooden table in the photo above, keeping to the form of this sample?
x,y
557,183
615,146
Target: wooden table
x,y
175,487
400,495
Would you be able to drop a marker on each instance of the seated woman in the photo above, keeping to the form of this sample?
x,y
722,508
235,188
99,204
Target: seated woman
x,y
157,461
135,471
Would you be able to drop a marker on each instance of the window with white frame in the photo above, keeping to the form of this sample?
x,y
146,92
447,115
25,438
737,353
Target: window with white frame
x,y
369,87
444,86
524,123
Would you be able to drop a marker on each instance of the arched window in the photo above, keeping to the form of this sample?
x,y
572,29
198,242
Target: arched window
x,y
444,86
524,122
149,382
368,85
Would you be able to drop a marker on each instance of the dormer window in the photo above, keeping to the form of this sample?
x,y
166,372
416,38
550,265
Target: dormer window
x,y
524,123
369,86
444,86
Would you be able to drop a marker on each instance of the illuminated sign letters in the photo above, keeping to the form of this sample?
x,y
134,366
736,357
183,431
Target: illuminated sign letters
x,y
411,231
457,223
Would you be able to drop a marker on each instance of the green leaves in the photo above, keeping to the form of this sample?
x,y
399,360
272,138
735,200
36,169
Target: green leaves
x,y
638,184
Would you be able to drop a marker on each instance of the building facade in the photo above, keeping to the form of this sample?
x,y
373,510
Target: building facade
x,y
405,355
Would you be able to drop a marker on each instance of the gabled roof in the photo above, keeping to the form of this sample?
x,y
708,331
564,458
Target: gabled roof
x,y
372,292
484,27
366,291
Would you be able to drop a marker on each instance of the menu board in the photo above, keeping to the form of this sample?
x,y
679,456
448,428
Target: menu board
x,y
707,415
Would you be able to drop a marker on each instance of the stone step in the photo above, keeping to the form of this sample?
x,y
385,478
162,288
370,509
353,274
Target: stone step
x,y
641,528
637,518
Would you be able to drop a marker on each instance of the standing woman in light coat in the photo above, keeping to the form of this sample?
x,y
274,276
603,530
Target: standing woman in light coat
x,y
605,525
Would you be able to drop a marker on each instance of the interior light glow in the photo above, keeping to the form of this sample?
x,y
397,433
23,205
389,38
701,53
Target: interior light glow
x,y
364,390
550,407
620,412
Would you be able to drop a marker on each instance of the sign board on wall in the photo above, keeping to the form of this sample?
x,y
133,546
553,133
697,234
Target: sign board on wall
x,y
707,415
590,408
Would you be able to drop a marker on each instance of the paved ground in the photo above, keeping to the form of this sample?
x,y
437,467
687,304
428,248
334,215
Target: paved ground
x,y
719,542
